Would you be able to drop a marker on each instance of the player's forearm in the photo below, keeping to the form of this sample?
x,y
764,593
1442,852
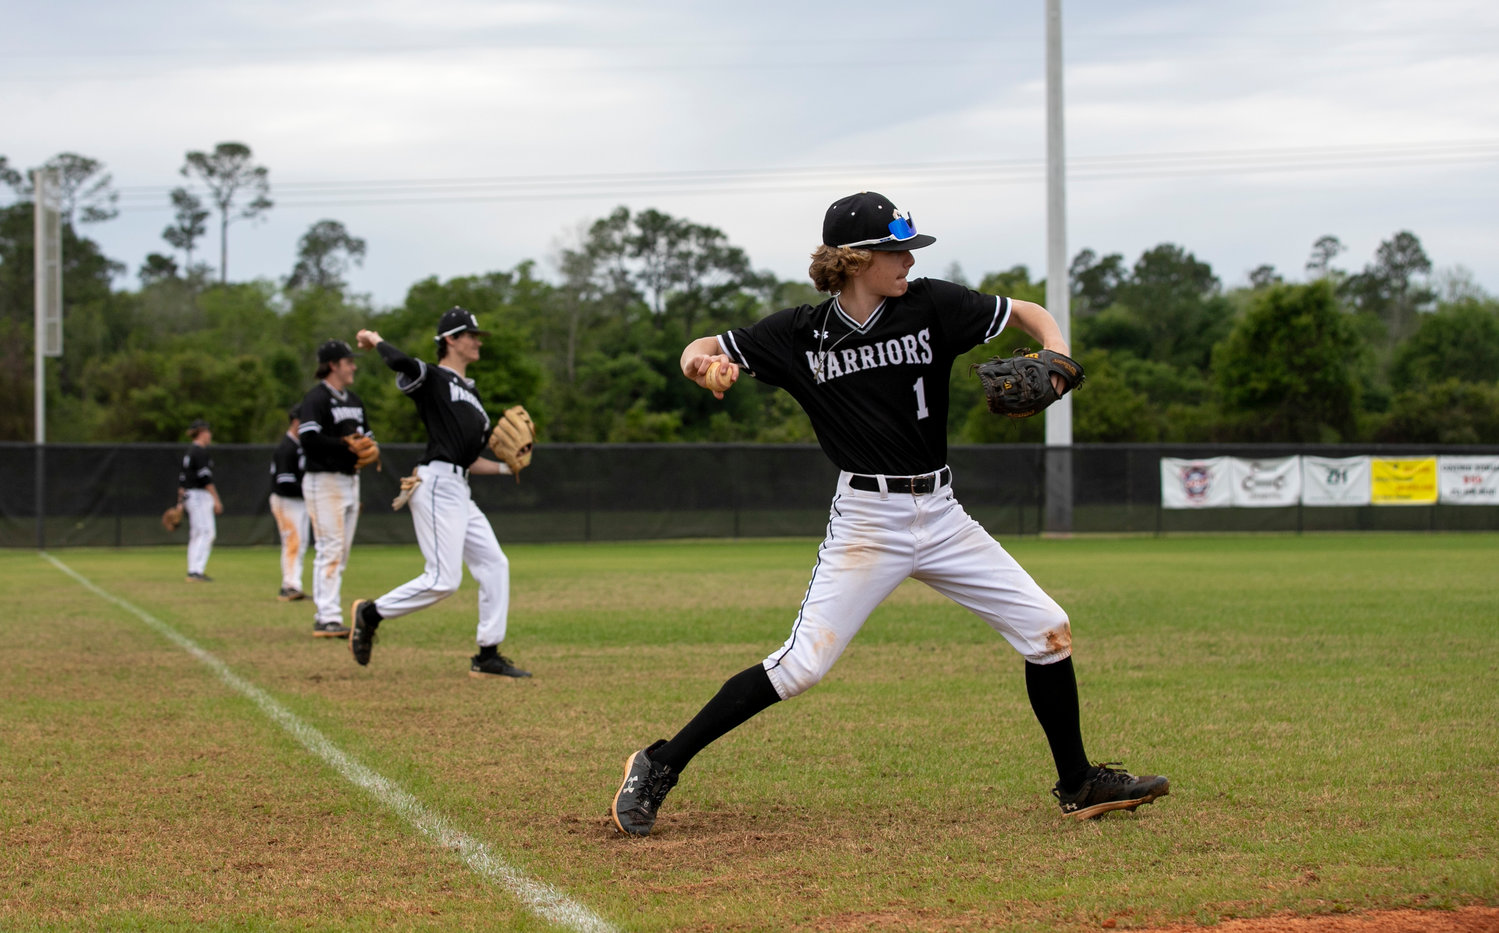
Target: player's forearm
x,y
397,360
483,466
697,349
1039,324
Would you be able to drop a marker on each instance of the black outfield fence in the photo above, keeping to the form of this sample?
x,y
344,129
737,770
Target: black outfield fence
x,y
112,495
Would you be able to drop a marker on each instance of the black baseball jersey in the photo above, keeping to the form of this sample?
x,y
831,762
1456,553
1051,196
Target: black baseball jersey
x,y
876,393
327,417
197,469
449,405
288,464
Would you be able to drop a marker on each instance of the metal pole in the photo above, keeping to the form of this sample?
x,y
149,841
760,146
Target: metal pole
x,y
1058,288
39,248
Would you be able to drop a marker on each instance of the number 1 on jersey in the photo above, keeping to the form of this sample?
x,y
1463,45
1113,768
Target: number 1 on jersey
x,y
921,409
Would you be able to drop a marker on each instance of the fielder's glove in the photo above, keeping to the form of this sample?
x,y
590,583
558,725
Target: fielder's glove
x,y
172,517
408,486
1020,386
513,439
366,451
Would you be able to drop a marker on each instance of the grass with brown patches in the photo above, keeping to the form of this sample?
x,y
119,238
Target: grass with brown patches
x,y
1325,707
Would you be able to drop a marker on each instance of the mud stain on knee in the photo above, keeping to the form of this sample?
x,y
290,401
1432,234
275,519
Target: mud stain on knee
x,y
1059,639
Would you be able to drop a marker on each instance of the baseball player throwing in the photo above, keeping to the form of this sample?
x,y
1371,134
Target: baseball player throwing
x,y
199,497
870,367
332,418
450,529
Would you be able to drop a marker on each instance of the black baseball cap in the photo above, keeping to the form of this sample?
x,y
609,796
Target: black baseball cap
x,y
870,221
458,320
197,426
332,351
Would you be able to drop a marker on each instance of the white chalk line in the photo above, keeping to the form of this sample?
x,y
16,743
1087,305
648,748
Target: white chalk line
x,y
541,898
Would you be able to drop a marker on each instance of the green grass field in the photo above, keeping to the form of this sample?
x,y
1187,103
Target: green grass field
x,y
1327,708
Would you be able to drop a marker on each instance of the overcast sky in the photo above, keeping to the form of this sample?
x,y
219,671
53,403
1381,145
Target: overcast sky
x,y
459,136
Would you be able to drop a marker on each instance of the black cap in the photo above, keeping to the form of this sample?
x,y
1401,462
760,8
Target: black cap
x,y
197,426
458,320
870,221
332,351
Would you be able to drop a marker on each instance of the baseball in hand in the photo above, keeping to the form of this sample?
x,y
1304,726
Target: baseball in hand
x,y
719,377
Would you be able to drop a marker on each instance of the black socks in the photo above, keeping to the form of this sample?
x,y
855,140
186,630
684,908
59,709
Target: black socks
x,y
1053,693
741,697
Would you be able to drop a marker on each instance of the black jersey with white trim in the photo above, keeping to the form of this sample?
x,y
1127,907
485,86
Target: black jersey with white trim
x,y
288,463
197,468
328,416
450,407
876,393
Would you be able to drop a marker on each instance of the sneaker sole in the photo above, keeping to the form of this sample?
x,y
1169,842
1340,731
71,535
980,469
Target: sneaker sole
x,y
330,634
289,599
480,675
354,618
614,805
1099,809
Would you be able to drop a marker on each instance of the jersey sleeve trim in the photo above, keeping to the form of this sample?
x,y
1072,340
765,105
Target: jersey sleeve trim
x,y
409,385
1001,318
731,349
308,427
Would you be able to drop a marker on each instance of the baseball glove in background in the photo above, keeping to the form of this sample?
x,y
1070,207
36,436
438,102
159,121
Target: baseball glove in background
x,y
366,451
513,439
172,517
408,486
1020,386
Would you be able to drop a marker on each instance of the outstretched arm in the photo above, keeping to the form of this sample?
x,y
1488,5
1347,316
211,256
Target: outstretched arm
x,y
702,353
391,354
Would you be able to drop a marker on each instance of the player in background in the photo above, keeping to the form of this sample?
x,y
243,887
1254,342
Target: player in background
x,y
450,529
870,367
288,463
330,412
197,494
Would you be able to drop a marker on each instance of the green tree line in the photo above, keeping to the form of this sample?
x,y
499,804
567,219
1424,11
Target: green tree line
x,y
1389,353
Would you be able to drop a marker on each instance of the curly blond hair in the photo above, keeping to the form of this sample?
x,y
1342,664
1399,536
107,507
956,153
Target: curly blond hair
x,y
833,266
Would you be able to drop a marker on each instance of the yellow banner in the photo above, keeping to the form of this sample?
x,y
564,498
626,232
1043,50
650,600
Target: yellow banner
x,y
1404,482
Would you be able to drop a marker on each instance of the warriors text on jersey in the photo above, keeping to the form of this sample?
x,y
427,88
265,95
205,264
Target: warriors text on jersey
x,y
197,468
327,417
876,393
450,407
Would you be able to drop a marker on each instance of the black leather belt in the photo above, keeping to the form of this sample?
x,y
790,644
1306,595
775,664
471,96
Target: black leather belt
x,y
915,485
443,464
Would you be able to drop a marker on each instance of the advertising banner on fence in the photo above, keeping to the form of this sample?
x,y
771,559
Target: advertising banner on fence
x,y
1335,480
1406,481
1195,484
1269,483
1468,480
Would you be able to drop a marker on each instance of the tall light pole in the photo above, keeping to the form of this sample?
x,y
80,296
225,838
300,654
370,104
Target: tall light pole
x,y
1058,288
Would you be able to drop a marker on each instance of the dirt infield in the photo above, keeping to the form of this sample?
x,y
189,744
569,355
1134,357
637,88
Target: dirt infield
x,y
1465,920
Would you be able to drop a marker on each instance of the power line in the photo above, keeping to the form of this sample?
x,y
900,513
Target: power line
x,y
1224,162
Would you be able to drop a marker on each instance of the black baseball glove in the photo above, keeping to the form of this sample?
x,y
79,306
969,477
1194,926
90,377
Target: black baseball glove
x,y
1020,386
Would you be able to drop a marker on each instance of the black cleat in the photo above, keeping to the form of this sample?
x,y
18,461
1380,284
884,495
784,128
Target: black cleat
x,y
1108,788
496,665
199,578
646,784
362,632
289,594
329,630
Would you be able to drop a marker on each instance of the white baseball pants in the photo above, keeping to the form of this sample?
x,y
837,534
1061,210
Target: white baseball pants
x,y
874,542
202,528
292,524
451,531
332,501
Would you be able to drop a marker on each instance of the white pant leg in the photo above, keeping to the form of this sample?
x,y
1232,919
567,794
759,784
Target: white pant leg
x,y
291,523
333,507
202,528
962,561
440,512
489,566
867,553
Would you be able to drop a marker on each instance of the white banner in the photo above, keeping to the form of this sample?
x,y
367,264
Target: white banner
x,y
1468,480
1335,480
1270,483
1195,484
